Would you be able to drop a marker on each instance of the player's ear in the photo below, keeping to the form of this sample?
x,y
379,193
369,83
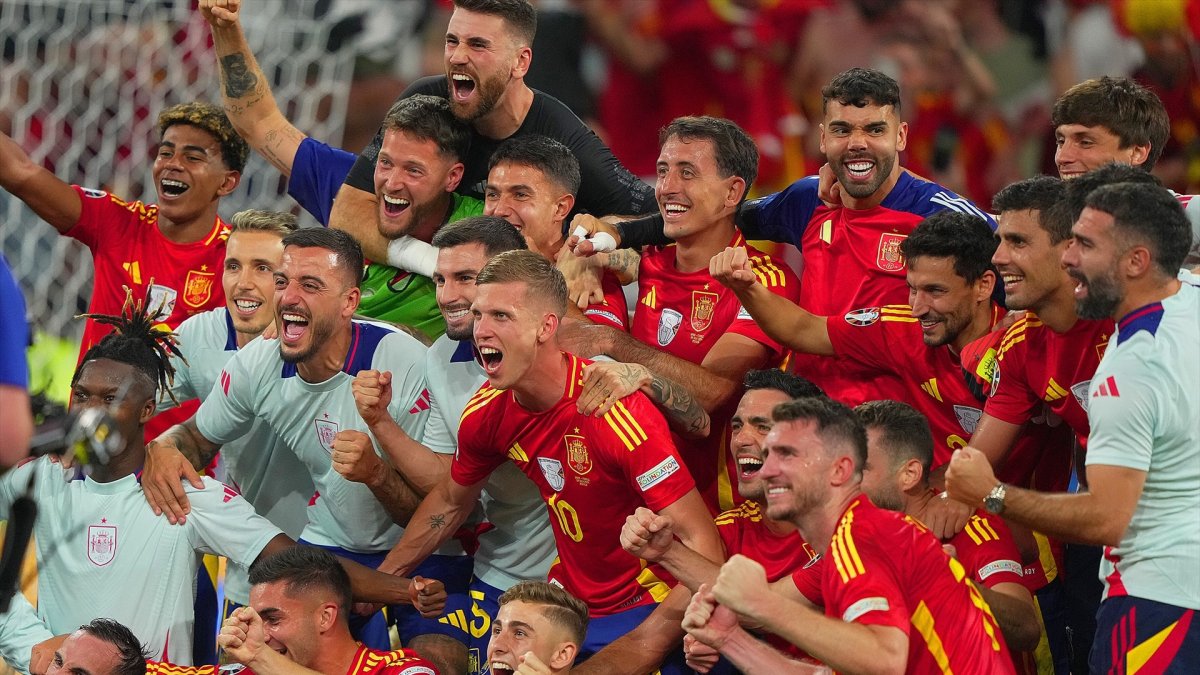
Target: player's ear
x,y
564,656
353,297
549,326
911,474
327,616
522,61
149,408
229,183
902,137
562,207
737,190
454,177
1136,262
984,285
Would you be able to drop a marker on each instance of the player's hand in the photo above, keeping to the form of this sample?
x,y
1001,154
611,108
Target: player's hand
x,y
741,586
242,636
355,459
587,235
970,477
271,332
829,190
165,465
372,391
946,517
220,12
699,656
708,622
428,596
42,654
732,268
531,665
606,382
647,535
583,278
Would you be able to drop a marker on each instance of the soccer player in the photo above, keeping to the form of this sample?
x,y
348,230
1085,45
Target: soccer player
x,y
100,647
423,145
538,630
851,250
686,326
894,601
16,422
97,534
169,253
950,281
264,471
300,385
591,471
486,58
1143,451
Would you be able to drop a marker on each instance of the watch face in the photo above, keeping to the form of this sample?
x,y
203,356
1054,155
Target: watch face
x,y
993,505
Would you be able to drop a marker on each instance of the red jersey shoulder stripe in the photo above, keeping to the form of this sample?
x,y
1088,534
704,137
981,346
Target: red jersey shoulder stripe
x,y
623,424
485,396
845,552
747,510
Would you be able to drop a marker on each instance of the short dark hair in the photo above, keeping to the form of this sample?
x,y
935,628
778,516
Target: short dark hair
x,y
1044,194
136,340
1078,188
281,223
561,608
951,234
861,87
773,378
545,154
1130,111
1150,216
735,151
212,119
835,422
305,569
132,654
349,253
543,279
428,118
520,15
905,432
496,234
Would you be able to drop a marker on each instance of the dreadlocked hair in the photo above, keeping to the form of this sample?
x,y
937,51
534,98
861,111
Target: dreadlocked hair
x,y
137,341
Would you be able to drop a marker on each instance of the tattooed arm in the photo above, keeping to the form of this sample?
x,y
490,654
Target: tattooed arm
x,y
245,93
605,382
624,262
438,517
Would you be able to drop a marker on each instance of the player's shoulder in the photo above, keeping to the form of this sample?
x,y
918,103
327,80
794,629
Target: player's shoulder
x,y
163,668
395,662
375,341
983,527
771,271
923,198
746,511
1024,328
627,418
484,404
551,117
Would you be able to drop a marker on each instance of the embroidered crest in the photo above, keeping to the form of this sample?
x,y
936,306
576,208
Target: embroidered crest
x,y
889,258
668,326
553,471
326,430
862,317
968,418
197,288
704,305
1080,390
102,544
162,300
577,454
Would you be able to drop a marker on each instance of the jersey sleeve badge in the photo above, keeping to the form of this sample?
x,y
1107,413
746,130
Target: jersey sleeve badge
x,y
862,317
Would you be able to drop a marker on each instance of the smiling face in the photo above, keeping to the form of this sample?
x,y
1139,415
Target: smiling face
x,y
1029,265
482,60
1079,149
250,261
691,192
942,301
293,623
413,182
522,627
454,276
1091,261
861,145
509,328
189,173
313,300
534,204
749,427
795,472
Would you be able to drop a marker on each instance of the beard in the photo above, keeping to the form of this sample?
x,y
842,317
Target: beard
x,y
883,168
489,92
1103,297
318,334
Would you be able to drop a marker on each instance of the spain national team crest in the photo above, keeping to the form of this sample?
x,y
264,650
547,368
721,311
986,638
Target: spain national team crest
x,y
889,258
704,305
326,431
577,454
197,288
668,326
102,544
552,469
161,301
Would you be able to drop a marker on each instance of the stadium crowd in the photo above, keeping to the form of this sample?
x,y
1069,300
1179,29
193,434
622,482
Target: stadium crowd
x,y
512,409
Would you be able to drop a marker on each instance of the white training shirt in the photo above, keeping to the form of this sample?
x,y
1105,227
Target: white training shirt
x,y
520,545
258,464
256,383
1144,408
20,630
102,552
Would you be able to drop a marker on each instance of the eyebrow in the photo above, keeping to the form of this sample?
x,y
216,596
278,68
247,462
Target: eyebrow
x,y
186,148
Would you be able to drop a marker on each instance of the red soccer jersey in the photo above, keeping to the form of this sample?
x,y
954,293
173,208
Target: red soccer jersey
x,y
612,310
889,571
366,662
685,315
592,472
888,339
1036,365
986,549
743,531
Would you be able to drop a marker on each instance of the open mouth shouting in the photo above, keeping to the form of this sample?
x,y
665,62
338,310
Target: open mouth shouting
x,y
501,667
490,358
394,206
672,210
294,326
748,466
462,86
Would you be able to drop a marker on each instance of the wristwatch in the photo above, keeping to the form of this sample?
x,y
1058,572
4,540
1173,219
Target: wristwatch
x,y
993,503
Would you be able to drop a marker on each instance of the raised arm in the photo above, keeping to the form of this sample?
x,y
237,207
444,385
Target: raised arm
x,y
421,468
50,197
245,93
651,536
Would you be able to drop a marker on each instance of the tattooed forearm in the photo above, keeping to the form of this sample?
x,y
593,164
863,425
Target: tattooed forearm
x,y
683,411
437,521
285,137
239,78
624,262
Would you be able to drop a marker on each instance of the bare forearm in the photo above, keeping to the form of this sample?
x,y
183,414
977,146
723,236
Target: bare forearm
x,y
1078,517
845,647
437,519
421,468
624,263
683,412
355,212
643,649
709,389
786,322
197,449
689,567
755,657
397,497
1017,618
368,585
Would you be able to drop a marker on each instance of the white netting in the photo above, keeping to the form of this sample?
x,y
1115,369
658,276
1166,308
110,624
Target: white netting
x,y
81,84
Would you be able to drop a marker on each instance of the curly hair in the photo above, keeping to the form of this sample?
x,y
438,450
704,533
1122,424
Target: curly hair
x,y
212,119
136,340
